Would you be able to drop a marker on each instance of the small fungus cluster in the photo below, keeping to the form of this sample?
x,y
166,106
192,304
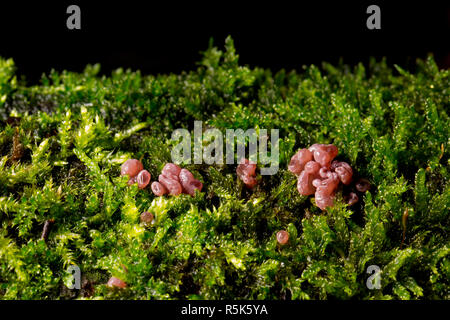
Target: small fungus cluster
x,y
136,173
174,181
319,174
246,171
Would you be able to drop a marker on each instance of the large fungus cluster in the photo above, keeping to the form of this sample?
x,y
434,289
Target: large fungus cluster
x,y
319,174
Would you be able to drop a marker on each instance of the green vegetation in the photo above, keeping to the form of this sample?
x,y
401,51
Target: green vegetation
x,y
62,143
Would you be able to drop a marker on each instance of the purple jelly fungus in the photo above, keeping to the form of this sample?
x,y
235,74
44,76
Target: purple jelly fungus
x,y
344,171
143,179
323,200
328,186
246,167
318,174
114,282
304,184
313,168
131,167
171,169
158,189
173,186
249,181
324,153
282,237
324,173
189,183
132,180
299,160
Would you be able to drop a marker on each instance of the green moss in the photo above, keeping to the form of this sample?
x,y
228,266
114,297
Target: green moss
x,y
74,131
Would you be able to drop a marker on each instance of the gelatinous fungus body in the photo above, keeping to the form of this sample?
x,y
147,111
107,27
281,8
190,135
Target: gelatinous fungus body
x,y
189,183
282,237
312,167
246,167
143,179
323,200
171,169
132,180
324,153
246,171
131,167
146,217
299,160
325,191
114,282
304,183
344,171
134,169
173,186
329,185
158,189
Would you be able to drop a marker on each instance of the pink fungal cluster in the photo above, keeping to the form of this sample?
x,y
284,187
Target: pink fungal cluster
x,y
173,180
318,174
136,173
246,171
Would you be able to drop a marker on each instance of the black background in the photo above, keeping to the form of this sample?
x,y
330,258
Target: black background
x,y
163,38
276,309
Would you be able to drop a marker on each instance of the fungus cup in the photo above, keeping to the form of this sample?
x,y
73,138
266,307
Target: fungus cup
x,y
131,167
282,237
143,179
134,169
158,189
